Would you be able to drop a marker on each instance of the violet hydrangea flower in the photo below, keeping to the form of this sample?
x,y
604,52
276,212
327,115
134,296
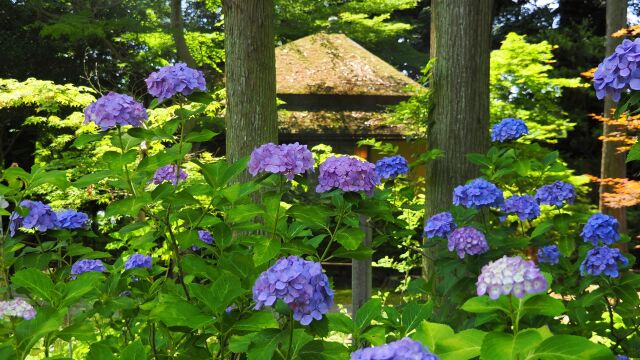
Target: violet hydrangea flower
x,y
391,167
205,237
115,109
549,254
603,260
467,240
439,225
510,275
175,79
301,284
601,227
622,357
138,261
403,349
168,173
508,129
478,193
525,206
556,194
71,219
618,71
17,307
87,265
285,159
40,217
347,173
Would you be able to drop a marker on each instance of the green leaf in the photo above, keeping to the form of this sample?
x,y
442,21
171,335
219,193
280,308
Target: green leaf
x,y
128,206
84,139
464,345
245,212
222,235
369,311
361,253
374,334
570,347
541,229
83,331
542,304
264,344
501,346
483,305
91,178
634,152
350,238
257,321
47,321
100,351
174,311
323,350
340,322
57,178
313,216
134,351
115,160
413,314
430,334
82,285
265,249
37,282
200,136
219,295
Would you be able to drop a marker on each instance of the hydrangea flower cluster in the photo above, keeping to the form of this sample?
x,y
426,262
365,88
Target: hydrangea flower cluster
x,y
510,275
618,71
87,265
556,194
601,227
285,159
478,193
391,167
168,173
622,357
115,109
71,219
301,284
602,259
525,206
403,349
347,173
439,225
549,254
508,129
467,240
17,307
175,79
40,217
205,237
138,261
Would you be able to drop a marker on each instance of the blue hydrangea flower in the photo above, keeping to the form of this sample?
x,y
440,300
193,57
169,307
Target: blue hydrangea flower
x,y
138,261
347,173
391,167
40,217
622,357
508,129
439,225
601,227
175,79
301,284
71,219
403,349
467,240
602,259
510,275
17,307
549,254
205,237
115,109
168,173
87,265
285,159
556,194
230,308
618,71
478,193
525,206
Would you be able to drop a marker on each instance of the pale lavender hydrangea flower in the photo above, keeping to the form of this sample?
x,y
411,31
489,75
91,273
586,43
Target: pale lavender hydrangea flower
x,y
138,261
115,109
556,194
205,237
510,275
347,173
403,349
603,260
618,71
478,193
391,167
285,159
87,265
439,225
467,241
601,227
525,206
17,307
168,173
72,219
175,79
301,284
40,218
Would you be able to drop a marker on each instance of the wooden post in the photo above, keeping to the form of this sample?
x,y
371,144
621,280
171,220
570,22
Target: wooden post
x,y
361,272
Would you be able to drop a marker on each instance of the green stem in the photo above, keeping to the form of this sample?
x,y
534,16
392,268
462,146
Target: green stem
x,y
484,221
333,235
127,176
275,221
515,314
290,336
174,244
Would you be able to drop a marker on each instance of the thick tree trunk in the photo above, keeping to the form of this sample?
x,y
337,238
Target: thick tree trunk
x,y
459,124
177,29
251,117
613,164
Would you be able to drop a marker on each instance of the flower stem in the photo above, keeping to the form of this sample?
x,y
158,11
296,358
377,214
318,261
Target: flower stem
x,y
290,336
126,168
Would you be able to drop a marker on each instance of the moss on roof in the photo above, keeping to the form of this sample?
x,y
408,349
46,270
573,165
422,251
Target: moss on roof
x,y
350,123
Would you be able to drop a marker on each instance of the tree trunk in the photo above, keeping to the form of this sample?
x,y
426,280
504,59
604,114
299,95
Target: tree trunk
x,y
177,29
459,123
613,164
251,118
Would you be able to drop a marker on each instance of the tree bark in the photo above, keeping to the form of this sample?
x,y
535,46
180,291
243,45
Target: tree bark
x,y
459,122
251,118
177,29
612,163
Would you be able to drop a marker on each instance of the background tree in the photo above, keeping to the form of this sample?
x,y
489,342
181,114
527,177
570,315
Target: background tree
x,y
177,29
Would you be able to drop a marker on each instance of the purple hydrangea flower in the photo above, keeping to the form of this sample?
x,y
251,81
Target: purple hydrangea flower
x,y
40,217
71,219
556,194
205,237
478,193
391,167
510,275
168,173
285,159
601,227
115,109
87,265
439,225
230,308
525,206
508,129
618,71
17,307
138,261
467,240
301,284
347,173
403,349
622,357
602,259
549,254
175,79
